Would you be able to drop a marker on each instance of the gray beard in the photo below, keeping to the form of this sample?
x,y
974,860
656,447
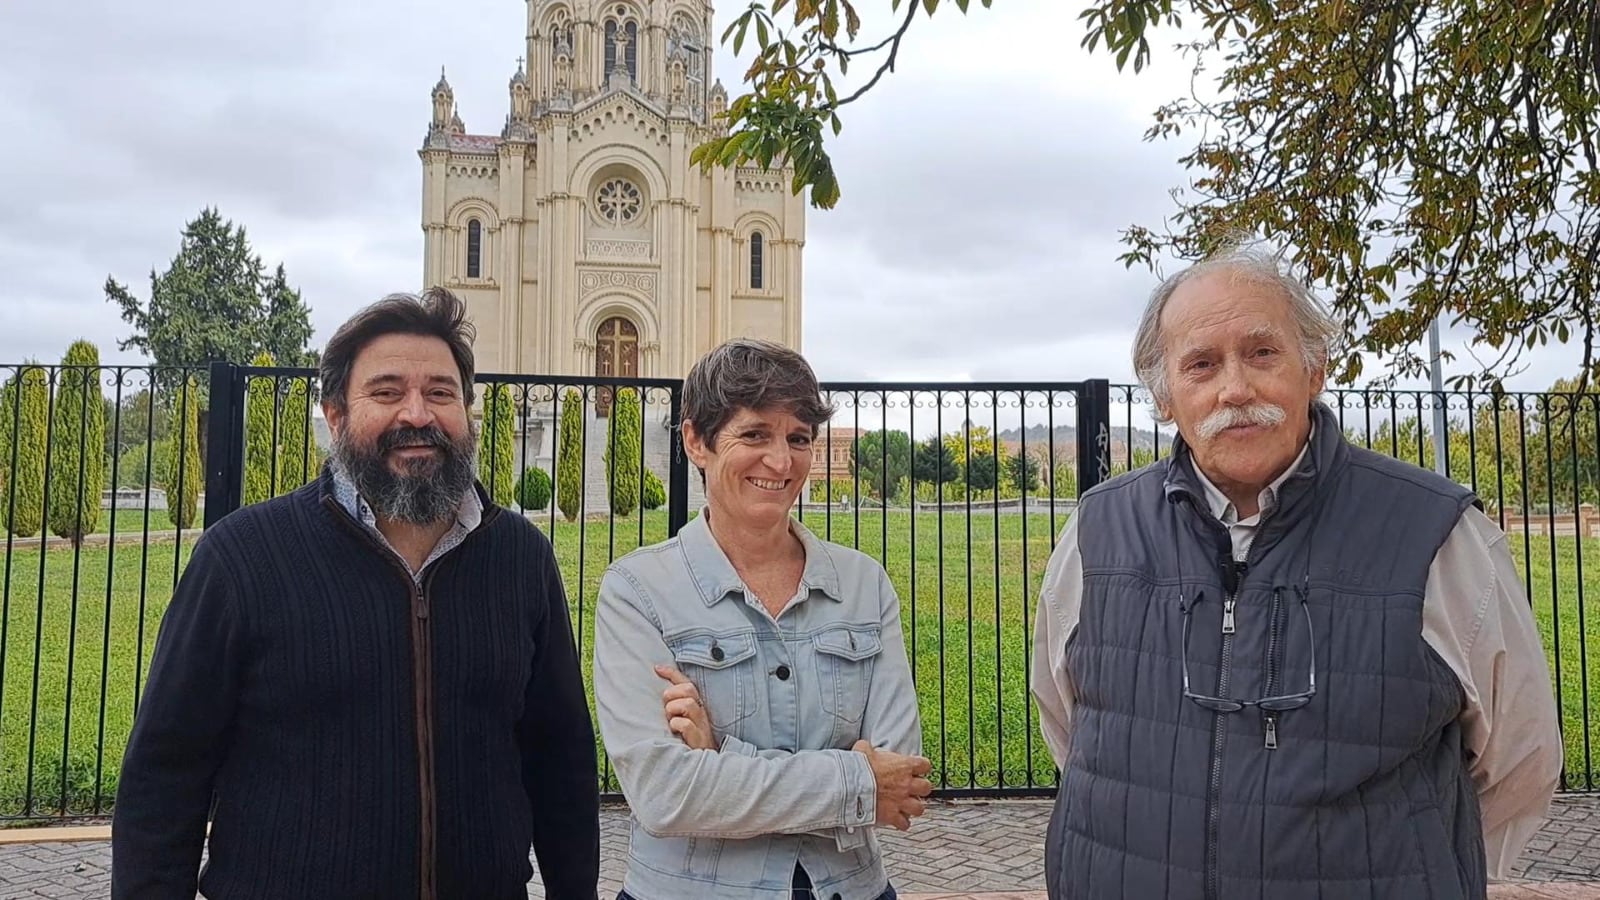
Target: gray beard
x,y
427,492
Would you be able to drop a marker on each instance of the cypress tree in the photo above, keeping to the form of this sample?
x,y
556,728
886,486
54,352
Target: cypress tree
x,y
27,408
78,465
8,410
300,459
624,452
183,466
653,494
496,445
569,456
260,404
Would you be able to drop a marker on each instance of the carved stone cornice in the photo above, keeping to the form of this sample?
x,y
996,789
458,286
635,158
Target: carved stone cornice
x,y
618,248
591,281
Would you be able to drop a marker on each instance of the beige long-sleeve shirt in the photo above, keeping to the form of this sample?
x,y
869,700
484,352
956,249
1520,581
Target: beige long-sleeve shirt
x,y
1475,615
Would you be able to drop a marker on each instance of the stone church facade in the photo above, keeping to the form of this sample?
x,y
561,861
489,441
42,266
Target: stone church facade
x,y
581,237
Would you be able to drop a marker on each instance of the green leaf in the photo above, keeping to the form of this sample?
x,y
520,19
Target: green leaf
x,y
733,150
824,188
707,151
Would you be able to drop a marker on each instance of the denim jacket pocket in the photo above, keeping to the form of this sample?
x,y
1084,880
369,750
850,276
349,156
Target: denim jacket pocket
x,y
723,669
845,657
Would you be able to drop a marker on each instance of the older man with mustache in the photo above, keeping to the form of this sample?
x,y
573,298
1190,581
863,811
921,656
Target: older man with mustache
x,y
1273,664
370,684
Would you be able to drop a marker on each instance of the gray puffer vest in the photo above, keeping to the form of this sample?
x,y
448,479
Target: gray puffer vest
x,y
1360,792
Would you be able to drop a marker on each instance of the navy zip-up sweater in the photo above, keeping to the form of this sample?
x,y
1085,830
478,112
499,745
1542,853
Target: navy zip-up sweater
x,y
363,736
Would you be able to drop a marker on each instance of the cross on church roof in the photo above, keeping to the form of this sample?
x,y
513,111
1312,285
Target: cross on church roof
x,y
519,64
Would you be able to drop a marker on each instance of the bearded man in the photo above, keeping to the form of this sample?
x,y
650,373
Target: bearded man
x,y
370,684
1273,664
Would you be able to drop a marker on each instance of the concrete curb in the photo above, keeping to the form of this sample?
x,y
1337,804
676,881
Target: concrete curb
x,y
57,834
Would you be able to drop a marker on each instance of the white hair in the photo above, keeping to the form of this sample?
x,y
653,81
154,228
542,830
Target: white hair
x,y
1319,333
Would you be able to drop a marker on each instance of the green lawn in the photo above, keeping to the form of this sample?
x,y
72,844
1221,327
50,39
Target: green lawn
x,y
128,522
132,521
968,619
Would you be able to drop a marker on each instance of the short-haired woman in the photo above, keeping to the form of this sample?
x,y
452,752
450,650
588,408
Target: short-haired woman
x,y
751,679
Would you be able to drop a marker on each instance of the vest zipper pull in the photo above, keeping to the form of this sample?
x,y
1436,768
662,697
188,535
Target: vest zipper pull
x,y
1272,732
1227,616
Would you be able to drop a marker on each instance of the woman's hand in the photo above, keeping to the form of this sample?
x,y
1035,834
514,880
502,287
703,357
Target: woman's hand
x,y
686,715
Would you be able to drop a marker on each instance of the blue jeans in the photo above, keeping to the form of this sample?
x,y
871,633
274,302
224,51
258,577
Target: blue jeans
x,y
802,889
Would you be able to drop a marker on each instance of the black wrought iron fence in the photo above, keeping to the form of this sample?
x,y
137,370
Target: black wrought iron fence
x,y
964,533
959,490
101,503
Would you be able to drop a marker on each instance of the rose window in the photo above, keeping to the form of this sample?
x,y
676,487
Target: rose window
x,y
619,201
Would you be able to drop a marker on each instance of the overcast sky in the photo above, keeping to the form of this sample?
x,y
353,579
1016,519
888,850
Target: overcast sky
x,y
985,182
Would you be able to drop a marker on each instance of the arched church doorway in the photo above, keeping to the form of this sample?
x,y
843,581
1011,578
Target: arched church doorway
x,y
616,356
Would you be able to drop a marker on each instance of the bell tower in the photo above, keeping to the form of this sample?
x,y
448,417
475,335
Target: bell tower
x,y
581,49
580,235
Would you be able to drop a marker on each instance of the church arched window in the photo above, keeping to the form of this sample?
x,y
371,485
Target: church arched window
x,y
758,267
685,43
560,37
474,248
625,32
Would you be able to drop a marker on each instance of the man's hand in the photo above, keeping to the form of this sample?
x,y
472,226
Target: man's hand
x,y
686,715
902,783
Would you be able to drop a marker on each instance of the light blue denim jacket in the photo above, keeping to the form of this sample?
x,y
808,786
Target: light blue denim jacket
x,y
787,699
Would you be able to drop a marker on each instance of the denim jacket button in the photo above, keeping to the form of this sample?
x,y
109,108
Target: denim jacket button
x,y
716,653
782,673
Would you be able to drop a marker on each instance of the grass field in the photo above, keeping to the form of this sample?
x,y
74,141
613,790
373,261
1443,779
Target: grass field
x,y
128,522
968,592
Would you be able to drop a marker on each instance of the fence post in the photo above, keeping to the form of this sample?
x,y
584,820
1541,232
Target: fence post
x,y
1094,433
677,466
224,442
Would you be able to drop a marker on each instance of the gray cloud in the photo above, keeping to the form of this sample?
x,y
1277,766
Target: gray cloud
x,y
978,231
878,317
299,121
111,49
985,182
978,216
964,175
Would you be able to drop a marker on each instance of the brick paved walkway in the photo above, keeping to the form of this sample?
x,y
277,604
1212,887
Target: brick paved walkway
x,y
961,849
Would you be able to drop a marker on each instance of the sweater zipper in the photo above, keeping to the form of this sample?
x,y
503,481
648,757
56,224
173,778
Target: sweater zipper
x,y
1232,574
422,690
1274,668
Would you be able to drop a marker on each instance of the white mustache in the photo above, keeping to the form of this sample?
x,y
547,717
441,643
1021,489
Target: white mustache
x,y
1264,414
